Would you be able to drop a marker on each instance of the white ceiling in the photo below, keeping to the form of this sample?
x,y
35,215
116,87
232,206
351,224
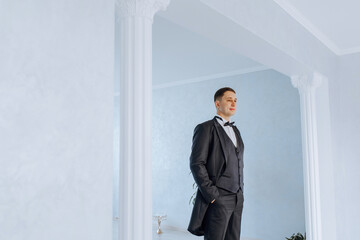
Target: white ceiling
x,y
335,23
181,56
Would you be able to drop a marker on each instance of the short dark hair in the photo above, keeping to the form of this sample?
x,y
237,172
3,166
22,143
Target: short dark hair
x,y
219,93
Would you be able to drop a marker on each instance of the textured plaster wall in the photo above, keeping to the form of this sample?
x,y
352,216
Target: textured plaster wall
x,y
268,117
56,121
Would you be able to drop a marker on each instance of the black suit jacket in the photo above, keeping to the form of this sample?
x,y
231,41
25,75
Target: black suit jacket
x,y
207,163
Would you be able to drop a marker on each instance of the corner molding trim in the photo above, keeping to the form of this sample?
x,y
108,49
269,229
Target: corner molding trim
x,y
210,77
295,14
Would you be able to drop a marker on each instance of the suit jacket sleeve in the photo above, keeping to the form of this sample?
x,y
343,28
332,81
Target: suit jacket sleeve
x,y
198,160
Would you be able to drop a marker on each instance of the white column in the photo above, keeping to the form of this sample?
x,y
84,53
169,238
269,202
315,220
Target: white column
x,y
136,18
307,87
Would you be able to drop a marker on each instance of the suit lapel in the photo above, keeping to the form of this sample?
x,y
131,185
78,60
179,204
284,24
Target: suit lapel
x,y
222,141
237,132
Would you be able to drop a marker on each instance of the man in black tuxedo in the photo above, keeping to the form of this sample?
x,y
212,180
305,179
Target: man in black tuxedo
x,y
216,162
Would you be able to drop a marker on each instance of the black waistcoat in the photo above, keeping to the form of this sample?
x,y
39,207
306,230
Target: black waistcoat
x,y
232,177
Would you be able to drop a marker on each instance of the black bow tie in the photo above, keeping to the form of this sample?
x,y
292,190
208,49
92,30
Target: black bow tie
x,y
231,124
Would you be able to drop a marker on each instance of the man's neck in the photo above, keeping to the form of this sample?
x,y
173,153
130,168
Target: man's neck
x,y
224,117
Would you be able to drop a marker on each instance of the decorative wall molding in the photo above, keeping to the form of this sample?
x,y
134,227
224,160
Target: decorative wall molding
x,y
140,8
305,83
307,88
294,13
210,77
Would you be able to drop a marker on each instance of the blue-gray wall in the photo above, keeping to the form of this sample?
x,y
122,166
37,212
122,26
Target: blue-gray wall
x,y
268,117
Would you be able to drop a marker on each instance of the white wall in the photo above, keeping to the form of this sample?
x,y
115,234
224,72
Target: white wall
x,y
268,117
345,104
56,119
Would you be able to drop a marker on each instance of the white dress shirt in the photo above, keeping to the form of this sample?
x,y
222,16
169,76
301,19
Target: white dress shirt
x,y
229,130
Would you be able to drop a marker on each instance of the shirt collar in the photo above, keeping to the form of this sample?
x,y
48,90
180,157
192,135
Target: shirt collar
x,y
223,121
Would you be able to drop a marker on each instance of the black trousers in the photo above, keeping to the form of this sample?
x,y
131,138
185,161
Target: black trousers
x,y
223,217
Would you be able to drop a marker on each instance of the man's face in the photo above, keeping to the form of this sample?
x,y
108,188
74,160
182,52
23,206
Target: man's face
x,y
227,105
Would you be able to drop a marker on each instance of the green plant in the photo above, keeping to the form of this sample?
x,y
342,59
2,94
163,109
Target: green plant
x,y
297,236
